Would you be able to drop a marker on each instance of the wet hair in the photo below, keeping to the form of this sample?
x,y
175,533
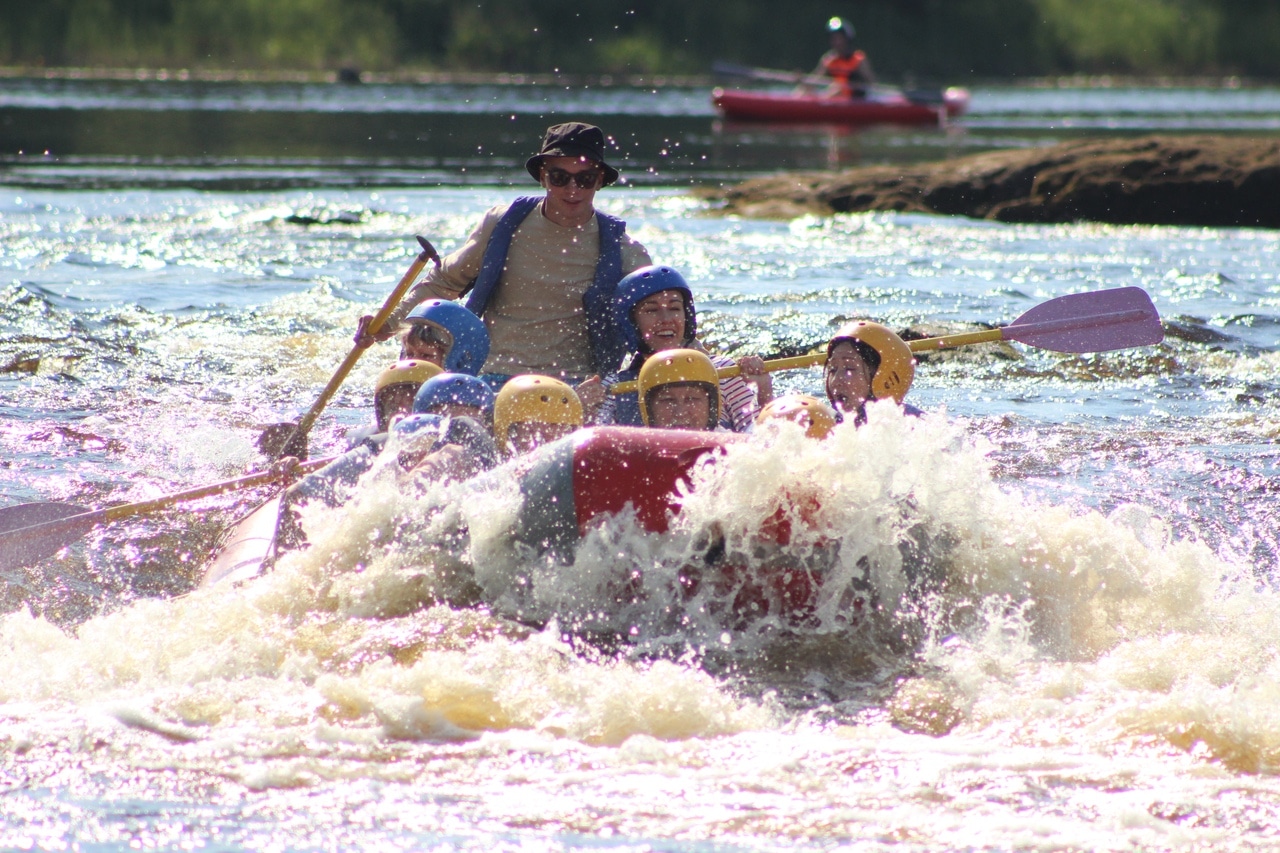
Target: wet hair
x,y
869,355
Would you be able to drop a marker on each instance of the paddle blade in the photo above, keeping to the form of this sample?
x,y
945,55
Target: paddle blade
x,y
1100,321
19,549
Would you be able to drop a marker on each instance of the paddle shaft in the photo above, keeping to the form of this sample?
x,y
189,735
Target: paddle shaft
x,y
883,90
77,525
1049,334
375,325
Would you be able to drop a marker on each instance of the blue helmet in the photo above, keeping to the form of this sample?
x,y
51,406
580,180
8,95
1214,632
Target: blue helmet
x,y
638,286
470,337
457,388
417,423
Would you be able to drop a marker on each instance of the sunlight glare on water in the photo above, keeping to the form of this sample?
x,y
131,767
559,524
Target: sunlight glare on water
x,y
1086,663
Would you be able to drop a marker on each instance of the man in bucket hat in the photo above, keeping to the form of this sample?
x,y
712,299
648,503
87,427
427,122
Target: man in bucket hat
x,y
542,270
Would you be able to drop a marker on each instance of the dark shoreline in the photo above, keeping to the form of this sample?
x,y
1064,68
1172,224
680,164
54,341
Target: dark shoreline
x,y
1206,180
490,78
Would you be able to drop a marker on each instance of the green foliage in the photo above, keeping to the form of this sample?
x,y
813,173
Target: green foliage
x,y
940,40
640,54
1132,35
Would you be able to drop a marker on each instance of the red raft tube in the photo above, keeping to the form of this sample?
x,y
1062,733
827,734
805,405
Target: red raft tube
x,y
602,471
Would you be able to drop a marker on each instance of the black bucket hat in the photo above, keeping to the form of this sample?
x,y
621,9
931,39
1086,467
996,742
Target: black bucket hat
x,y
572,139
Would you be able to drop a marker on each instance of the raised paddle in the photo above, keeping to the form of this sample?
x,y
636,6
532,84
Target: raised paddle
x,y
289,439
1101,321
30,532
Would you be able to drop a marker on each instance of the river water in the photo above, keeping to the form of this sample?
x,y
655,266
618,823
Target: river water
x,y
1095,667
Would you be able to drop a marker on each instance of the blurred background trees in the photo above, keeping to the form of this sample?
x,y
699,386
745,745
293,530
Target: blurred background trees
x,y
939,40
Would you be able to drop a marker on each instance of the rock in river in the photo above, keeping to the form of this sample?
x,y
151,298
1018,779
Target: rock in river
x,y
1159,180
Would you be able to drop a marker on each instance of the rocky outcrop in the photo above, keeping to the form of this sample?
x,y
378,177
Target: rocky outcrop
x,y
1159,180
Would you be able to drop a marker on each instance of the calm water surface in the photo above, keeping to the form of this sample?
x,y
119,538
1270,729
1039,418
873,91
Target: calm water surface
x,y
1097,670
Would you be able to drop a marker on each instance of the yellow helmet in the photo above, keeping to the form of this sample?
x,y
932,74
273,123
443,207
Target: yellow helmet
x,y
534,399
888,356
679,366
815,415
409,371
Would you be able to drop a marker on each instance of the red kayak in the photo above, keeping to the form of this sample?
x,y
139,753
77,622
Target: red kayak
x,y
893,108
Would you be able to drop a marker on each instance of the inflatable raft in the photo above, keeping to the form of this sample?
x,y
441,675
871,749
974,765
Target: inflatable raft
x,y
579,482
895,108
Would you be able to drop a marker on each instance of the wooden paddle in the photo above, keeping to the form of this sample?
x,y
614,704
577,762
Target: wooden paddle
x,y
30,532
1101,321
287,439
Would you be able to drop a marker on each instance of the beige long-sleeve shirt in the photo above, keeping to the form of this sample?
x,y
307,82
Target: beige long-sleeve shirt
x,y
535,318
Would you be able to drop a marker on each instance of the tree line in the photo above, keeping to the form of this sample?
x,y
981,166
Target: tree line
x,y
939,40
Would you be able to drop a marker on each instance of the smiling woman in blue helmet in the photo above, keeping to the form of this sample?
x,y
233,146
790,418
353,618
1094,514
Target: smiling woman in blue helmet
x,y
653,312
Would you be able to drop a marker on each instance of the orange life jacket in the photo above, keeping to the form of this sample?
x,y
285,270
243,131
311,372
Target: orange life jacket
x,y
841,68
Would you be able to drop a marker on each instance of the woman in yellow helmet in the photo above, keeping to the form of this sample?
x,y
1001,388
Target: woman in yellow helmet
x,y
393,396
680,389
533,410
867,361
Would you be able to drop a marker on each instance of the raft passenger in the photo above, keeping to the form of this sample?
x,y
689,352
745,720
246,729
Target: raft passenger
x,y
542,270
653,312
534,410
867,361
447,334
393,394
814,415
680,389
455,395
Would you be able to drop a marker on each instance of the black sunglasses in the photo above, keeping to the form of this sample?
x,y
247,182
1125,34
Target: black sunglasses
x,y
586,180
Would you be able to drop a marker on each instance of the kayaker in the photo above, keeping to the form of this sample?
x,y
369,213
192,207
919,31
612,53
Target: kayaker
x,y
455,395
653,311
542,270
816,417
534,410
446,334
679,389
867,361
849,69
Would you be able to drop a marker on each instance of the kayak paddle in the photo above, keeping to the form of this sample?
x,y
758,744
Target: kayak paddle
x,y
928,97
30,532
278,439
1101,321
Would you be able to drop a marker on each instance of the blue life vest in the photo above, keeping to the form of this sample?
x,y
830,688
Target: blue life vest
x,y
624,409
607,348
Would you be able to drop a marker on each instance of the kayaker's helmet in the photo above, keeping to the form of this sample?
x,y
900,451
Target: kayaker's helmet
x,y
679,367
818,418
840,25
458,389
534,399
639,285
888,358
470,345
406,372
